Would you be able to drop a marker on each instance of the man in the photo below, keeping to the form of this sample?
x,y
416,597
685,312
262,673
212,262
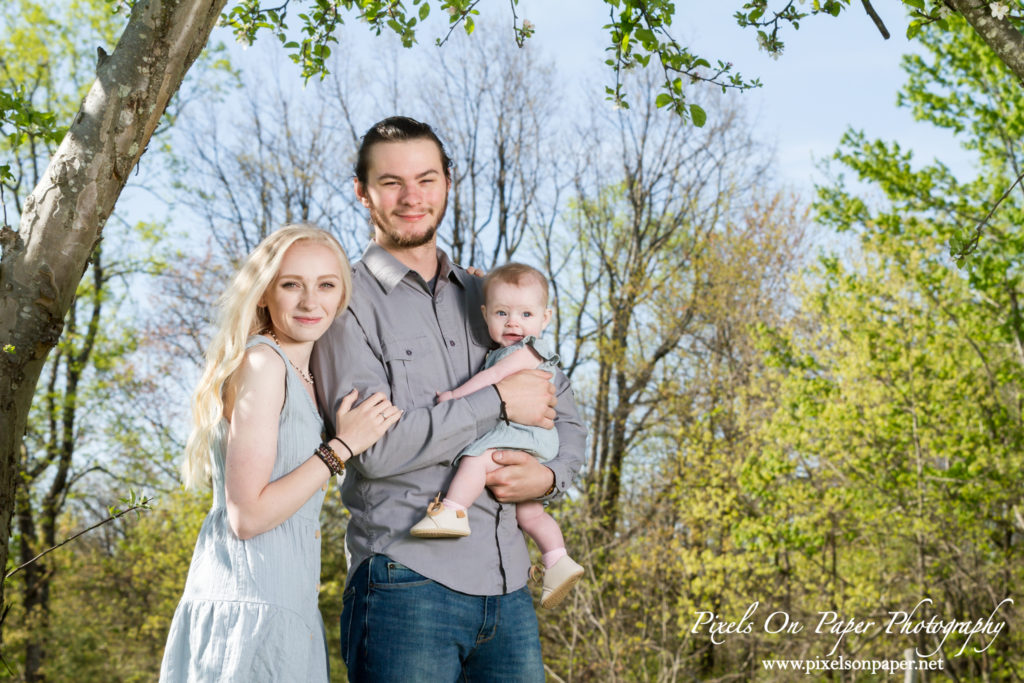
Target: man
x,y
415,609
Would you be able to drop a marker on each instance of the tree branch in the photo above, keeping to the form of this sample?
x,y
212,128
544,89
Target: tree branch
x,y
141,505
875,18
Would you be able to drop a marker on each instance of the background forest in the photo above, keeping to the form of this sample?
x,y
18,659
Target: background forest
x,y
797,401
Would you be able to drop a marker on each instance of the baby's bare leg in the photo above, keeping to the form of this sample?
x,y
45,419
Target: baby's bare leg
x,y
471,478
541,527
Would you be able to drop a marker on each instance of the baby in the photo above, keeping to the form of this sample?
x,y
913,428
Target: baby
x,y
516,312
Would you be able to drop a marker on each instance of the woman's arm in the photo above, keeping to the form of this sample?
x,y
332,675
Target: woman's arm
x,y
522,359
254,503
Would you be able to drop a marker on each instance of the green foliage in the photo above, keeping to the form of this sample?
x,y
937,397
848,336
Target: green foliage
x,y
638,32
679,548
44,75
20,122
895,439
962,87
888,472
132,577
768,22
311,42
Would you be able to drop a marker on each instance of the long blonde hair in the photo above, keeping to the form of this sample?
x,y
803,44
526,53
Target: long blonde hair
x,y
239,318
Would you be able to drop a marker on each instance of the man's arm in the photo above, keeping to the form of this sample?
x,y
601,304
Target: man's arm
x,y
524,477
344,359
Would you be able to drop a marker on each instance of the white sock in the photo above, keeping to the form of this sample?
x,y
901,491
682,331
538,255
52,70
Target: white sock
x,y
452,505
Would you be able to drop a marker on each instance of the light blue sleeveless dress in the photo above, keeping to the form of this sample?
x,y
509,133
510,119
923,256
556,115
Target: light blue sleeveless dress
x,y
539,442
250,609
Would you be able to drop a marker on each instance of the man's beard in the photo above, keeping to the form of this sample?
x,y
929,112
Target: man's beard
x,y
407,241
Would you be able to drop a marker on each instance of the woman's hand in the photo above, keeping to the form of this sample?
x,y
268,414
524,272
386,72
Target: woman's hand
x,y
364,425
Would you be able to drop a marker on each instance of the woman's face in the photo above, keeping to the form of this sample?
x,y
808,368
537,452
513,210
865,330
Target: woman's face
x,y
304,297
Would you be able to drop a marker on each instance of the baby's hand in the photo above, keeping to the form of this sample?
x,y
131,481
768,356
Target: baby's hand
x,y
443,396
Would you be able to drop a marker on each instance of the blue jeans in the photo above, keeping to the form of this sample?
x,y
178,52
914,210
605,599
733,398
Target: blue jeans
x,y
397,625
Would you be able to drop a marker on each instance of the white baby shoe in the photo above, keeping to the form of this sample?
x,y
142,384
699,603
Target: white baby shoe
x,y
558,581
441,522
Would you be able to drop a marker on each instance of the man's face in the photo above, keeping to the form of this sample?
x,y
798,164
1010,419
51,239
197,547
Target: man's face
x,y
406,192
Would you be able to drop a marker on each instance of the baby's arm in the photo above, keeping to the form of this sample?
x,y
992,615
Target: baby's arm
x,y
522,359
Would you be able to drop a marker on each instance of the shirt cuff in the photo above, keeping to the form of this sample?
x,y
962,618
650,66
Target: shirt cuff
x,y
485,408
563,478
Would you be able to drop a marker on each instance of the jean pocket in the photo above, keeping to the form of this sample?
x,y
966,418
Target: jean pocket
x,y
347,616
400,576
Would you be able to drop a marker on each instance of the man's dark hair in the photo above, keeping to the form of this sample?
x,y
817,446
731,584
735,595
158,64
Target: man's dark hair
x,y
398,129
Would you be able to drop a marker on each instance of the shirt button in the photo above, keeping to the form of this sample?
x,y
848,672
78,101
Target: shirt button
x,y
317,534
451,342
408,352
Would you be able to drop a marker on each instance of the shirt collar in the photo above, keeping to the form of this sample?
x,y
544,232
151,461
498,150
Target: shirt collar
x,y
389,271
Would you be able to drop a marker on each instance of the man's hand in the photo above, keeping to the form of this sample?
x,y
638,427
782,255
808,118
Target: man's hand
x,y
529,398
521,478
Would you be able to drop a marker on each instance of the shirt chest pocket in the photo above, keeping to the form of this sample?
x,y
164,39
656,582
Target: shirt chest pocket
x,y
409,361
479,335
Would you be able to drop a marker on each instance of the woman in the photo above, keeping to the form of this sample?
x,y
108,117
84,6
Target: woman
x,y
249,611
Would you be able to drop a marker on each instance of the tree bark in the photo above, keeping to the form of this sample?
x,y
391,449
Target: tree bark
x,y
63,218
1000,35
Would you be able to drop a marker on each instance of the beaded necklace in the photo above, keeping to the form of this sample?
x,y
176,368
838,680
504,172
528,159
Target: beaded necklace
x,y
308,378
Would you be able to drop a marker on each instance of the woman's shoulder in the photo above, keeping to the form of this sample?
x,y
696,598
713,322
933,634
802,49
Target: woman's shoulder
x,y
262,362
262,371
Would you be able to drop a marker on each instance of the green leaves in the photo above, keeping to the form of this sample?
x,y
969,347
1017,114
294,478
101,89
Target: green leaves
x,y
19,122
639,37
639,33
697,115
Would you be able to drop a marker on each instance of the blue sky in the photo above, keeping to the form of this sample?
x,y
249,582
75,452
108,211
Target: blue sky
x,y
835,73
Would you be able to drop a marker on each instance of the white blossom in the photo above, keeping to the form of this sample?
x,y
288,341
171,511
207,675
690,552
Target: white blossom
x,y
998,9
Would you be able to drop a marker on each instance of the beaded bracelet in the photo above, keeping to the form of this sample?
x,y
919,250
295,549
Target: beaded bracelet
x,y
330,458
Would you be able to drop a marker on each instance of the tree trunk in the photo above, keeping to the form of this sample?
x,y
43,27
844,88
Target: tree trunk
x,y
35,589
1000,35
64,216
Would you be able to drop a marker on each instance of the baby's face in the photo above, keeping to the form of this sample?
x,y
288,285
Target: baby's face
x,y
515,311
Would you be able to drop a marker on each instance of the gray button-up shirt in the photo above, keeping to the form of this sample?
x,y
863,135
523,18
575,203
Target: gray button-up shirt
x,y
399,338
